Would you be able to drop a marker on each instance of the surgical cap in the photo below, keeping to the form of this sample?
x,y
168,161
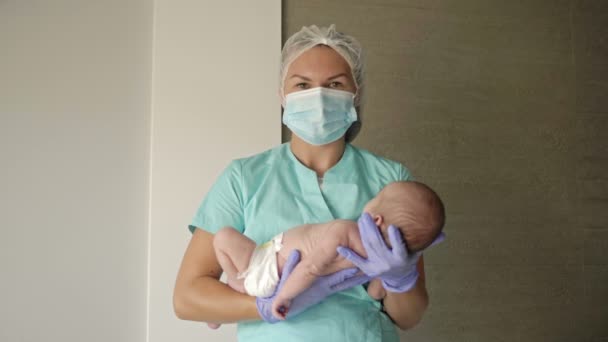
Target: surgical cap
x,y
347,46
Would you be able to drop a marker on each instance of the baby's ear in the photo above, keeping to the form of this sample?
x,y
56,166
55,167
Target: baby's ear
x,y
378,219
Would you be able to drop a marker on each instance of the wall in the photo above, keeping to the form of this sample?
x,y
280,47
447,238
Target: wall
x,y
92,231
74,148
501,107
215,99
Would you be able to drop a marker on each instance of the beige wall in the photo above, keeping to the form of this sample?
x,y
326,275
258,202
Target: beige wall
x,y
501,106
74,142
215,99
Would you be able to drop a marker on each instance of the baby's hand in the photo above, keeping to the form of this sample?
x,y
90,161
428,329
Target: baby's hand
x,y
280,307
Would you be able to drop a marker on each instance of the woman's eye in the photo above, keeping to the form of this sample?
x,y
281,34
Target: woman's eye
x,y
335,85
302,85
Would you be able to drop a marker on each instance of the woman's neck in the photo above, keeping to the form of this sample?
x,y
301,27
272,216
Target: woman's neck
x,y
317,158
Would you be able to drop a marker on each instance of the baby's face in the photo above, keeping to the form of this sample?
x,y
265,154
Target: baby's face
x,y
380,203
370,205
395,198
373,209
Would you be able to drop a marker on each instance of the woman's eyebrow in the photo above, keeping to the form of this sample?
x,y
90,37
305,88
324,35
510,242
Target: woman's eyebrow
x,y
308,79
302,77
338,75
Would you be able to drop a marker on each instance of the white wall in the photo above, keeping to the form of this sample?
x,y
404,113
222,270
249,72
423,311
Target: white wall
x,y
74,151
215,99
80,83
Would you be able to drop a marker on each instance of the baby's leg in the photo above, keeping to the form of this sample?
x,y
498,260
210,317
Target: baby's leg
x,y
375,289
233,251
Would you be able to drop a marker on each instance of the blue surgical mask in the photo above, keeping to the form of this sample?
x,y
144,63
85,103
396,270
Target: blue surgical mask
x,y
320,115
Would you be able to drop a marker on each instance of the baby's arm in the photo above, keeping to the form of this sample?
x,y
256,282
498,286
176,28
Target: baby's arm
x,y
303,275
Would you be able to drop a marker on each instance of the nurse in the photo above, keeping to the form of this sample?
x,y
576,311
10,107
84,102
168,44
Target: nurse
x,y
317,177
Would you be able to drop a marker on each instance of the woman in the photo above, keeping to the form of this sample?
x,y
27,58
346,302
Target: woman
x,y
316,177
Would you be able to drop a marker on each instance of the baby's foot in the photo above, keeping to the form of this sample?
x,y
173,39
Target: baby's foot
x,y
376,290
377,295
213,325
280,308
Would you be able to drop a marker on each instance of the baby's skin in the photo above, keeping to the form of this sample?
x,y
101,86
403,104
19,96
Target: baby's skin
x,y
317,244
412,206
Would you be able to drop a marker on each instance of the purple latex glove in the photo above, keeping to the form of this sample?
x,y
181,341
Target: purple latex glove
x,y
319,290
395,267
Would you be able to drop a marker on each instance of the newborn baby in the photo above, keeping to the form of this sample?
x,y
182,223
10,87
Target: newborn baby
x,y
410,206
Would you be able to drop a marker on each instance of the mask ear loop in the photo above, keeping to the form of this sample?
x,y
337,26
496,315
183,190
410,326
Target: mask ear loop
x,y
356,100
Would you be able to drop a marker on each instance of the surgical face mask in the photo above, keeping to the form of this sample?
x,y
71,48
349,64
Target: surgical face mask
x,y
320,115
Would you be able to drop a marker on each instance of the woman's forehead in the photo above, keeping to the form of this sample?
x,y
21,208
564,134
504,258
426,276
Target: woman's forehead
x,y
320,61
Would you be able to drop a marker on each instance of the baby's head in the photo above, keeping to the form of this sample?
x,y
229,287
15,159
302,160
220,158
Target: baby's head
x,y
412,207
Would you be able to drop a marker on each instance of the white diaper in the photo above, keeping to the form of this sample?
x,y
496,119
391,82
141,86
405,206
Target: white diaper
x,y
262,274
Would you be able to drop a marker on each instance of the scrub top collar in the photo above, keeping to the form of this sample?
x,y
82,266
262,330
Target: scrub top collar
x,y
332,173
310,187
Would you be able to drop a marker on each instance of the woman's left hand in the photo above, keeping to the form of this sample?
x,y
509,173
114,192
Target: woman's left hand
x,y
395,267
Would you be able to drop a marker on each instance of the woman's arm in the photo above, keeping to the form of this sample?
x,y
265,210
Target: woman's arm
x,y
198,293
406,309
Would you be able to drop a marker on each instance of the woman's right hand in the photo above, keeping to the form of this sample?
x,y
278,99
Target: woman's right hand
x,y
396,267
319,290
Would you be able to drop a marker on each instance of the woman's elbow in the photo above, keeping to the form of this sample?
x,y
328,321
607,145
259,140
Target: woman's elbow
x,y
409,324
412,320
179,304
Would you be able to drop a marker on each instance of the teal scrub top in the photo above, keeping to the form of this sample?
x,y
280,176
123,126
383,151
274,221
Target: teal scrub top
x,y
271,192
